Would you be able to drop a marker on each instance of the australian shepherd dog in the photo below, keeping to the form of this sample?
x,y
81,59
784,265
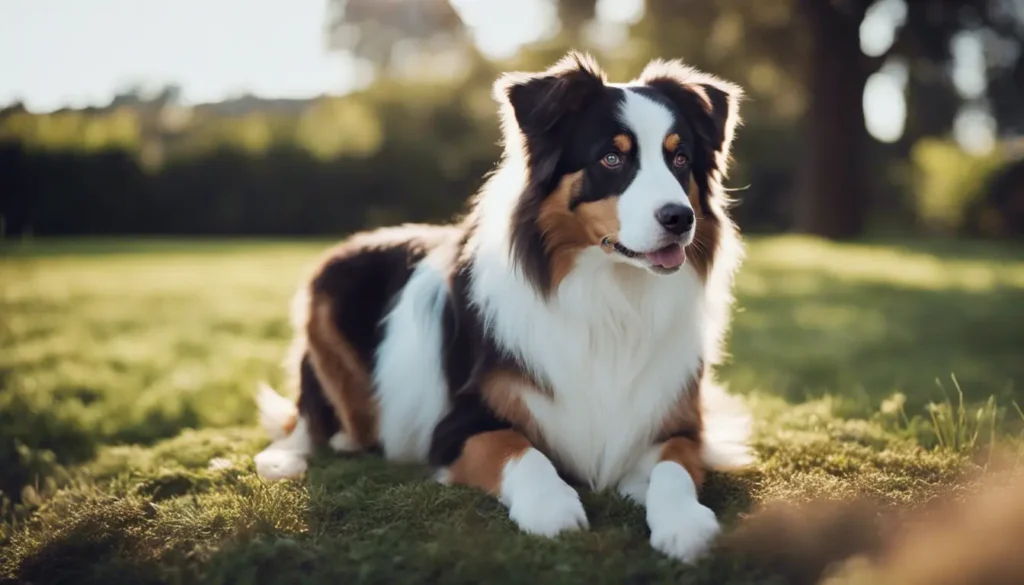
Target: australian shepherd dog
x,y
562,334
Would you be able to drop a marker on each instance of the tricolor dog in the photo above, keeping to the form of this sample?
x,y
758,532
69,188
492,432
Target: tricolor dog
x,y
561,336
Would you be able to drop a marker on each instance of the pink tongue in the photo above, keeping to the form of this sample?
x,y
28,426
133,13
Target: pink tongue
x,y
668,257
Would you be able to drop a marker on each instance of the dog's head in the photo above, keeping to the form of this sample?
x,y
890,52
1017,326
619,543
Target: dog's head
x,y
630,168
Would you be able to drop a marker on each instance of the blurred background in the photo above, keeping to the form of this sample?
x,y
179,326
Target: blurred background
x,y
304,117
169,171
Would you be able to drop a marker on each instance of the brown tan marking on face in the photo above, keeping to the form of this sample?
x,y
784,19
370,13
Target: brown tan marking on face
x,y
484,457
345,380
623,142
693,194
599,218
567,232
671,142
705,241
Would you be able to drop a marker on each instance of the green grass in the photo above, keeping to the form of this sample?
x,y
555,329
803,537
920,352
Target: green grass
x,y
126,367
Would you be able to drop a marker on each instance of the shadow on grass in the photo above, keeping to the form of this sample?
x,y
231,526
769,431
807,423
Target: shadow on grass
x,y
100,547
165,514
960,248
803,334
35,441
371,521
159,515
352,520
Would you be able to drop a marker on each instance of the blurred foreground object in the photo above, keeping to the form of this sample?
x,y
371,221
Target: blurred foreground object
x,y
972,539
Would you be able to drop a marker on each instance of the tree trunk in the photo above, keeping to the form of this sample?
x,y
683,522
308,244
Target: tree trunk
x,y
831,201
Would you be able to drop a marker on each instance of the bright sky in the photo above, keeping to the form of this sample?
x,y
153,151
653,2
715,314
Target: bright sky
x,y
56,53
76,52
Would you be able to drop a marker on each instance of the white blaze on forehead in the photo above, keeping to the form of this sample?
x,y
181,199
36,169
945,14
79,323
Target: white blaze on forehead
x,y
654,185
650,122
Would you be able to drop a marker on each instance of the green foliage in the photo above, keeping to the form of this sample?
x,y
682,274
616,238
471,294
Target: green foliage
x,y
73,130
323,166
425,129
335,127
818,319
947,182
128,369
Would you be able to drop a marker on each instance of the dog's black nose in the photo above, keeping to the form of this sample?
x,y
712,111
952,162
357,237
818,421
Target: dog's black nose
x,y
676,218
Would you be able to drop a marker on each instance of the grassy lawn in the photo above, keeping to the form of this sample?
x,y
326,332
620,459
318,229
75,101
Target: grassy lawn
x,y
127,367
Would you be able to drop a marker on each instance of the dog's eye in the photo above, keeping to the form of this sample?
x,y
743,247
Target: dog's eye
x,y
680,160
611,160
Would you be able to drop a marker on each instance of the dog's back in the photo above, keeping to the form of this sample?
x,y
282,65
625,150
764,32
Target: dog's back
x,y
337,315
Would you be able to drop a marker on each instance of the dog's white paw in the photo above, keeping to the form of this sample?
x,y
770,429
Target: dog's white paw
x,y
275,464
684,532
681,527
340,442
538,500
549,513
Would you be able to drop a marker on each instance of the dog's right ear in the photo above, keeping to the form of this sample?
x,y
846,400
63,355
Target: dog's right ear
x,y
540,100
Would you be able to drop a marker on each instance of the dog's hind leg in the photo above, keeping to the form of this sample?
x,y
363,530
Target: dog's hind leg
x,y
343,384
297,429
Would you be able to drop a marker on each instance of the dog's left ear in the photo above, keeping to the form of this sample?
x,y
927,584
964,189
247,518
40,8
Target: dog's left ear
x,y
712,103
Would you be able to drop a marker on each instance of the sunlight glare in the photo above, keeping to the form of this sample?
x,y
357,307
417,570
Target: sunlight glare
x,y
500,28
57,53
885,108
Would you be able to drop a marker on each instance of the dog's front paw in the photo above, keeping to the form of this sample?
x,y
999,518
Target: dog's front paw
x,y
538,500
684,532
548,514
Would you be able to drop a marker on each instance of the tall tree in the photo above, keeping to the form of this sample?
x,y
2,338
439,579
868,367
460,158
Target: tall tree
x,y
834,188
1005,64
372,29
832,184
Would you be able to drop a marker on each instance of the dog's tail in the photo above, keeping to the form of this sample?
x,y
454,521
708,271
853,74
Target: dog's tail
x,y
278,415
727,429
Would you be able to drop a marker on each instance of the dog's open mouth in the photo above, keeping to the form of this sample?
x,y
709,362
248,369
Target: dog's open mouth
x,y
666,259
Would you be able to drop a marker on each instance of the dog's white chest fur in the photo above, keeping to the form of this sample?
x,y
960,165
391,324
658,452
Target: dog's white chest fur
x,y
616,345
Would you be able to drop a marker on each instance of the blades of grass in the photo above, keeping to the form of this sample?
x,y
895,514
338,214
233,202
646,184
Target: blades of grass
x,y
961,426
941,428
991,430
1020,443
936,426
